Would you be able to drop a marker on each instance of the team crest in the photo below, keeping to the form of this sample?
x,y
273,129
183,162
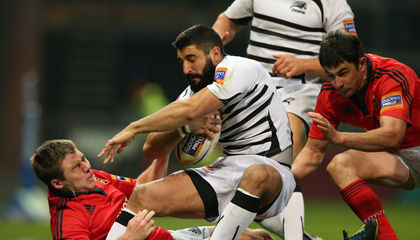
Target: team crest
x,y
219,76
391,101
299,6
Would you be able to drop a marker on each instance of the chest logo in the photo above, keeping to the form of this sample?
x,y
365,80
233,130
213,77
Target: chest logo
x,y
299,6
90,209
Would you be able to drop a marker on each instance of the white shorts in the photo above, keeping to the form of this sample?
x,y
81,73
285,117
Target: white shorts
x,y
194,233
300,99
220,180
410,157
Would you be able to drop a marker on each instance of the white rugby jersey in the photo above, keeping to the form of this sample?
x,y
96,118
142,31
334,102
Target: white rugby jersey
x,y
254,119
295,27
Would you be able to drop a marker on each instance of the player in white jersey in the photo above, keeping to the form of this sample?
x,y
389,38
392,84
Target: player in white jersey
x,y
244,185
285,36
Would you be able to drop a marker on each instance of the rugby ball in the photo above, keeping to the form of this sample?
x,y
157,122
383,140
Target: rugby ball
x,y
193,149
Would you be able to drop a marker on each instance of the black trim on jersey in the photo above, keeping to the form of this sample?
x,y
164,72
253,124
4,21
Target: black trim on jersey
x,y
359,99
280,48
246,201
256,98
319,3
275,145
296,39
287,23
207,194
298,189
231,107
261,59
250,116
124,217
327,86
227,100
259,122
299,77
241,21
235,147
71,194
61,206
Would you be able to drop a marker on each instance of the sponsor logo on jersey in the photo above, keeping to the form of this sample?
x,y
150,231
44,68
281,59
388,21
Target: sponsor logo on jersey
x,y
391,101
219,76
116,177
349,26
299,6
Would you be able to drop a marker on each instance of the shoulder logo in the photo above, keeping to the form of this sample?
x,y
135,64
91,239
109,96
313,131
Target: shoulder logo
x,y
90,209
391,100
349,26
219,76
299,6
116,177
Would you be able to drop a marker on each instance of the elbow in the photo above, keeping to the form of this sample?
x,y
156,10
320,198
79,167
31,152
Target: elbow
x,y
147,151
394,141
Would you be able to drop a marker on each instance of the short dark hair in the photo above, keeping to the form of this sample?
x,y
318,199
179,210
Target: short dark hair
x,y
338,47
203,37
47,159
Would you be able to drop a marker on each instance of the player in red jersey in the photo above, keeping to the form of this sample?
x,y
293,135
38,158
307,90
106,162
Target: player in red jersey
x,y
84,202
380,95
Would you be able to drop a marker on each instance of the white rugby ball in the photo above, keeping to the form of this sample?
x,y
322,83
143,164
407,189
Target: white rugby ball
x,y
193,149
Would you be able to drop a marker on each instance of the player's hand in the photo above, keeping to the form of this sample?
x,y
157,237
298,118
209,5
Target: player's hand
x,y
140,226
117,144
225,37
326,128
288,66
206,125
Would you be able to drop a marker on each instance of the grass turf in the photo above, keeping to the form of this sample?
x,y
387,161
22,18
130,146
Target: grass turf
x,y
326,219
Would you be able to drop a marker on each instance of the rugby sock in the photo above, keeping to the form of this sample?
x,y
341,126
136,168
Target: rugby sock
x,y
237,215
365,203
289,223
120,224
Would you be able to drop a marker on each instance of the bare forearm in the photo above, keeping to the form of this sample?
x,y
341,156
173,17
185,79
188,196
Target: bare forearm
x,y
313,67
376,140
160,144
168,118
157,169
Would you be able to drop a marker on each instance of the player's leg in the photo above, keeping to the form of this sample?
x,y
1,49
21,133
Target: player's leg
x,y
351,170
255,190
174,195
298,100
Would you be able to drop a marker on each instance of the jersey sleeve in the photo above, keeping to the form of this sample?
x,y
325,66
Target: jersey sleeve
x,y
396,94
231,80
240,11
124,184
338,15
324,107
69,224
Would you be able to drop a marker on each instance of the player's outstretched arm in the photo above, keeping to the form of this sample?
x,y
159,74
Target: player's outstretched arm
x,y
309,159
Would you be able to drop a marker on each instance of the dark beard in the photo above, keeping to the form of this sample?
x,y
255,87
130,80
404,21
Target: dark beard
x,y
206,78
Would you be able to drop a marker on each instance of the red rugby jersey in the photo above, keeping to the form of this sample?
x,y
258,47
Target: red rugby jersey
x,y
392,89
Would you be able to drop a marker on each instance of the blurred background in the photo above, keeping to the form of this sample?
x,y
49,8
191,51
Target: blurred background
x,y
84,69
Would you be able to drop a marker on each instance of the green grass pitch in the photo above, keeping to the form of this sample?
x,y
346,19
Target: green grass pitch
x,y
326,219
